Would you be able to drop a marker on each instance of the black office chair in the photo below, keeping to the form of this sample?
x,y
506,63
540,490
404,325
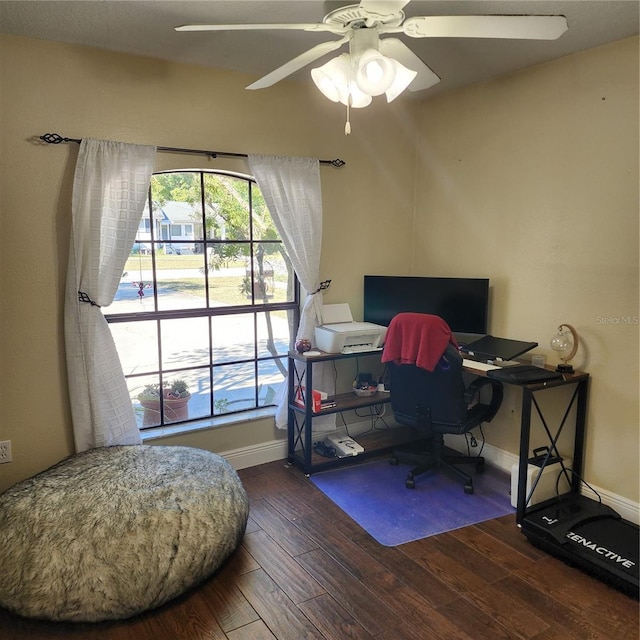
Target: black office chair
x,y
436,402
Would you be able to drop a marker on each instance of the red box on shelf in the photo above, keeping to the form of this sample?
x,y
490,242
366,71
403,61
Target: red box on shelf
x,y
317,398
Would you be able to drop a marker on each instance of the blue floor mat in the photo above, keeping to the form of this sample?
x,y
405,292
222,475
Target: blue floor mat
x,y
375,496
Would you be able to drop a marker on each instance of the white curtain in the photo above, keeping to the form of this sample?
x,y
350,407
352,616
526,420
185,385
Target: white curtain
x,y
292,192
110,187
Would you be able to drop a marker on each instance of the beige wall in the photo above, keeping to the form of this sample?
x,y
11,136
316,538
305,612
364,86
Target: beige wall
x,y
82,92
504,160
532,181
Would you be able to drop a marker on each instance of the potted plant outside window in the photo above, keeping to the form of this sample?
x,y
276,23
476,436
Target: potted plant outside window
x,y
175,399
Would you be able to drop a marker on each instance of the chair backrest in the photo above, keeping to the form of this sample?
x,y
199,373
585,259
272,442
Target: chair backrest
x,y
441,393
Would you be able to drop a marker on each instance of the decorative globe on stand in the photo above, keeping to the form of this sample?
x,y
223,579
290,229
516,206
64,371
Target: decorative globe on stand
x,y
565,343
303,345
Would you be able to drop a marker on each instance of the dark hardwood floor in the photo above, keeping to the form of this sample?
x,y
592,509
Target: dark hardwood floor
x,y
307,571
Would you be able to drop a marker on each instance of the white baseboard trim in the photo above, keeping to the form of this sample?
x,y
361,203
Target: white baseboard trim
x,y
627,509
277,449
256,454
505,460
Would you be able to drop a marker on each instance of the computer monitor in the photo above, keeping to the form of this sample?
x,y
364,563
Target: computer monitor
x,y
462,302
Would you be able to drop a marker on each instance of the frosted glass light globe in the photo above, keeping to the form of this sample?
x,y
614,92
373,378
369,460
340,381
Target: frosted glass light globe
x,y
561,343
375,73
565,342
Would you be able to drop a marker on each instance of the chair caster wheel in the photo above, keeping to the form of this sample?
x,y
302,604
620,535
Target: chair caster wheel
x,y
468,488
410,483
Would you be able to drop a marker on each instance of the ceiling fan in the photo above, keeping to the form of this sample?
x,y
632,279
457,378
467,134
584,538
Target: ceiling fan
x,y
377,65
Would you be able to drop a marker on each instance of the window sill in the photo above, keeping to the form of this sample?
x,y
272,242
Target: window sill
x,y
208,423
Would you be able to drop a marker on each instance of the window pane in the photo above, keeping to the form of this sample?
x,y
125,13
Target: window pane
x,y
233,338
185,342
180,282
180,223
177,209
263,276
263,227
176,185
135,291
199,386
186,396
271,376
227,207
234,388
272,274
137,345
274,336
146,410
143,236
227,269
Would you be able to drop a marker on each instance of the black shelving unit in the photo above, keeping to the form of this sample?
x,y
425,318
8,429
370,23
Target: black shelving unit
x,y
300,421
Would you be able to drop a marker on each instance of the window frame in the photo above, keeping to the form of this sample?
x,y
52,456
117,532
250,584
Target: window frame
x,y
254,308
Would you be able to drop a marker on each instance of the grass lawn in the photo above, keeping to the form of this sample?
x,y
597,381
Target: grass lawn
x,y
165,262
226,290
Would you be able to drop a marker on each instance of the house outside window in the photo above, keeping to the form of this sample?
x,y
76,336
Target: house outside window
x,y
207,306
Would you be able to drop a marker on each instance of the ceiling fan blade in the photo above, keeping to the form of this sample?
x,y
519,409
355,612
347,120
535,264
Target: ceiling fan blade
x,y
333,28
297,63
398,50
516,27
383,7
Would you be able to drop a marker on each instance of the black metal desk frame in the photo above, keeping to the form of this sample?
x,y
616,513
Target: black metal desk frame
x,y
579,400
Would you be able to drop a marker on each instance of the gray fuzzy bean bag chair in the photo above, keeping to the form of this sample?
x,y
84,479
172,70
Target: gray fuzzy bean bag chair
x,y
114,531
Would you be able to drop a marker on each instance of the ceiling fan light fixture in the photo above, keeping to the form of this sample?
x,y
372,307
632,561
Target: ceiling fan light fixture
x,y
375,73
332,78
334,81
356,98
403,78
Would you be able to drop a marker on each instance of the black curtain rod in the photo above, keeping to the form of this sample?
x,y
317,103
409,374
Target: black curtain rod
x,y
54,138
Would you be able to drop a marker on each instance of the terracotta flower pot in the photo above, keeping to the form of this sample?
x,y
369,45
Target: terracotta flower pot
x,y
175,410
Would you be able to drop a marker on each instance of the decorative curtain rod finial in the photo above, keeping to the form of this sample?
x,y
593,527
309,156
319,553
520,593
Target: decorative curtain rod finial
x,y
54,138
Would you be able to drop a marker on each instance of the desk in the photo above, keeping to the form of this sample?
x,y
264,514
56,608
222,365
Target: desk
x,y
580,381
300,439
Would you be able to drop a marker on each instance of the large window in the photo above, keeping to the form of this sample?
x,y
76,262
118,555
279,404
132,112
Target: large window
x,y
208,303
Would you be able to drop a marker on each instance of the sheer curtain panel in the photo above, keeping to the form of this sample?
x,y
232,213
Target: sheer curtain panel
x,y
292,192
110,187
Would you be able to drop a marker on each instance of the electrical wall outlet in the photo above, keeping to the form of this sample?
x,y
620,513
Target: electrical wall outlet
x,y
5,451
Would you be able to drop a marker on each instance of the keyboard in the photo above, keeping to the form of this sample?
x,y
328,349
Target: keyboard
x,y
481,366
525,374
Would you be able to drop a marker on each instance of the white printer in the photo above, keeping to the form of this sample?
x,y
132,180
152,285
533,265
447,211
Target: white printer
x,y
340,334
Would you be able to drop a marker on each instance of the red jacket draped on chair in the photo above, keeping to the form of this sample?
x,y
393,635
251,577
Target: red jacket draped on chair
x,y
417,338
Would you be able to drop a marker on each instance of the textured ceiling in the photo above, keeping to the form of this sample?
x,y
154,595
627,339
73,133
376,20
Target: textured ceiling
x,y
147,28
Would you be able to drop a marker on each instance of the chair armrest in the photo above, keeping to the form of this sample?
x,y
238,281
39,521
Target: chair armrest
x,y
497,394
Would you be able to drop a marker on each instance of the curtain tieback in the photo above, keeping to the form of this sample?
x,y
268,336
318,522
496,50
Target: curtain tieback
x,y
83,297
323,285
